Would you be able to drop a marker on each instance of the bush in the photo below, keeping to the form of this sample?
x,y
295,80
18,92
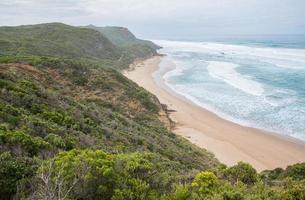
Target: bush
x,y
77,174
32,145
60,118
93,174
243,172
28,86
56,141
12,170
134,174
296,171
205,184
181,192
293,190
232,195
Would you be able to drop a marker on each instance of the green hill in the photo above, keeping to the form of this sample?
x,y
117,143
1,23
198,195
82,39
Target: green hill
x,y
51,106
131,46
121,36
52,103
107,45
56,39
73,127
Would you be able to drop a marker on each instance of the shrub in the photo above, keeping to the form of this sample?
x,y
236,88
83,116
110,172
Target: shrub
x,y
56,141
12,170
232,195
14,138
181,192
293,190
60,118
243,172
205,184
27,85
296,171
77,174
134,173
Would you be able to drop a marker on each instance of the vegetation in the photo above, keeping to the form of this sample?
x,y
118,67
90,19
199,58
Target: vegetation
x,y
73,127
131,47
55,39
109,45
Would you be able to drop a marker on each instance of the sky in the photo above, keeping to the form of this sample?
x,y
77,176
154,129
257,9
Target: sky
x,y
157,19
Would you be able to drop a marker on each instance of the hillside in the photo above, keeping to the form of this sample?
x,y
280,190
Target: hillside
x,y
53,104
73,127
127,42
56,39
60,40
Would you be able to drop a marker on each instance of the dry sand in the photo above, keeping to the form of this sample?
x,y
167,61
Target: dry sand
x,y
230,142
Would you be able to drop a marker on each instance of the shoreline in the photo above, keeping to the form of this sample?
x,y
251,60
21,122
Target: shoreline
x,y
230,142
158,77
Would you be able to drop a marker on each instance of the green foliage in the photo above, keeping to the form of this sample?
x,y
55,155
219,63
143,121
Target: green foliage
x,y
93,168
132,47
56,140
232,195
181,192
89,174
296,171
134,172
60,118
116,46
146,98
293,190
205,184
27,85
243,172
13,170
20,138
96,133
260,190
56,39
101,121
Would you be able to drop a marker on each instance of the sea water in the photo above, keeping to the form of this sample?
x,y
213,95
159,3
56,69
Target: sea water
x,y
256,83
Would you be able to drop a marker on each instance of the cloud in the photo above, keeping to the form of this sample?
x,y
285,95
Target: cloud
x,y
164,17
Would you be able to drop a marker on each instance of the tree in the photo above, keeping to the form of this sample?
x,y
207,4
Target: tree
x,y
205,184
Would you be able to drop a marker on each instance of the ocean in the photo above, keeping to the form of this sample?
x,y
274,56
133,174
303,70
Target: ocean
x,y
257,82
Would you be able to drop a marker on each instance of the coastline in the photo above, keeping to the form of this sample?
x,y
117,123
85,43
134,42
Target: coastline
x,y
230,142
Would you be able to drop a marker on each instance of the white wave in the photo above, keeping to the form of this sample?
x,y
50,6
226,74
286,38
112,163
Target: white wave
x,y
280,97
237,97
185,94
281,57
226,72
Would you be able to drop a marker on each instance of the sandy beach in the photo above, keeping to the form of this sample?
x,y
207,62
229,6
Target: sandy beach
x,y
230,142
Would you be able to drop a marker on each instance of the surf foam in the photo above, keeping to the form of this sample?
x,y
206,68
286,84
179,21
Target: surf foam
x,y
226,72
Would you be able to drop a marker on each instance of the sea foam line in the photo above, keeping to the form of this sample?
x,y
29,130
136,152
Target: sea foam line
x,y
226,72
171,87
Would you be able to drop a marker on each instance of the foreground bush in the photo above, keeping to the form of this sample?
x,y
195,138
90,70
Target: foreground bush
x,y
92,174
12,171
243,172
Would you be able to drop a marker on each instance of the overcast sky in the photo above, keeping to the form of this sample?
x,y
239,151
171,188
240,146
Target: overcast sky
x,y
164,18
